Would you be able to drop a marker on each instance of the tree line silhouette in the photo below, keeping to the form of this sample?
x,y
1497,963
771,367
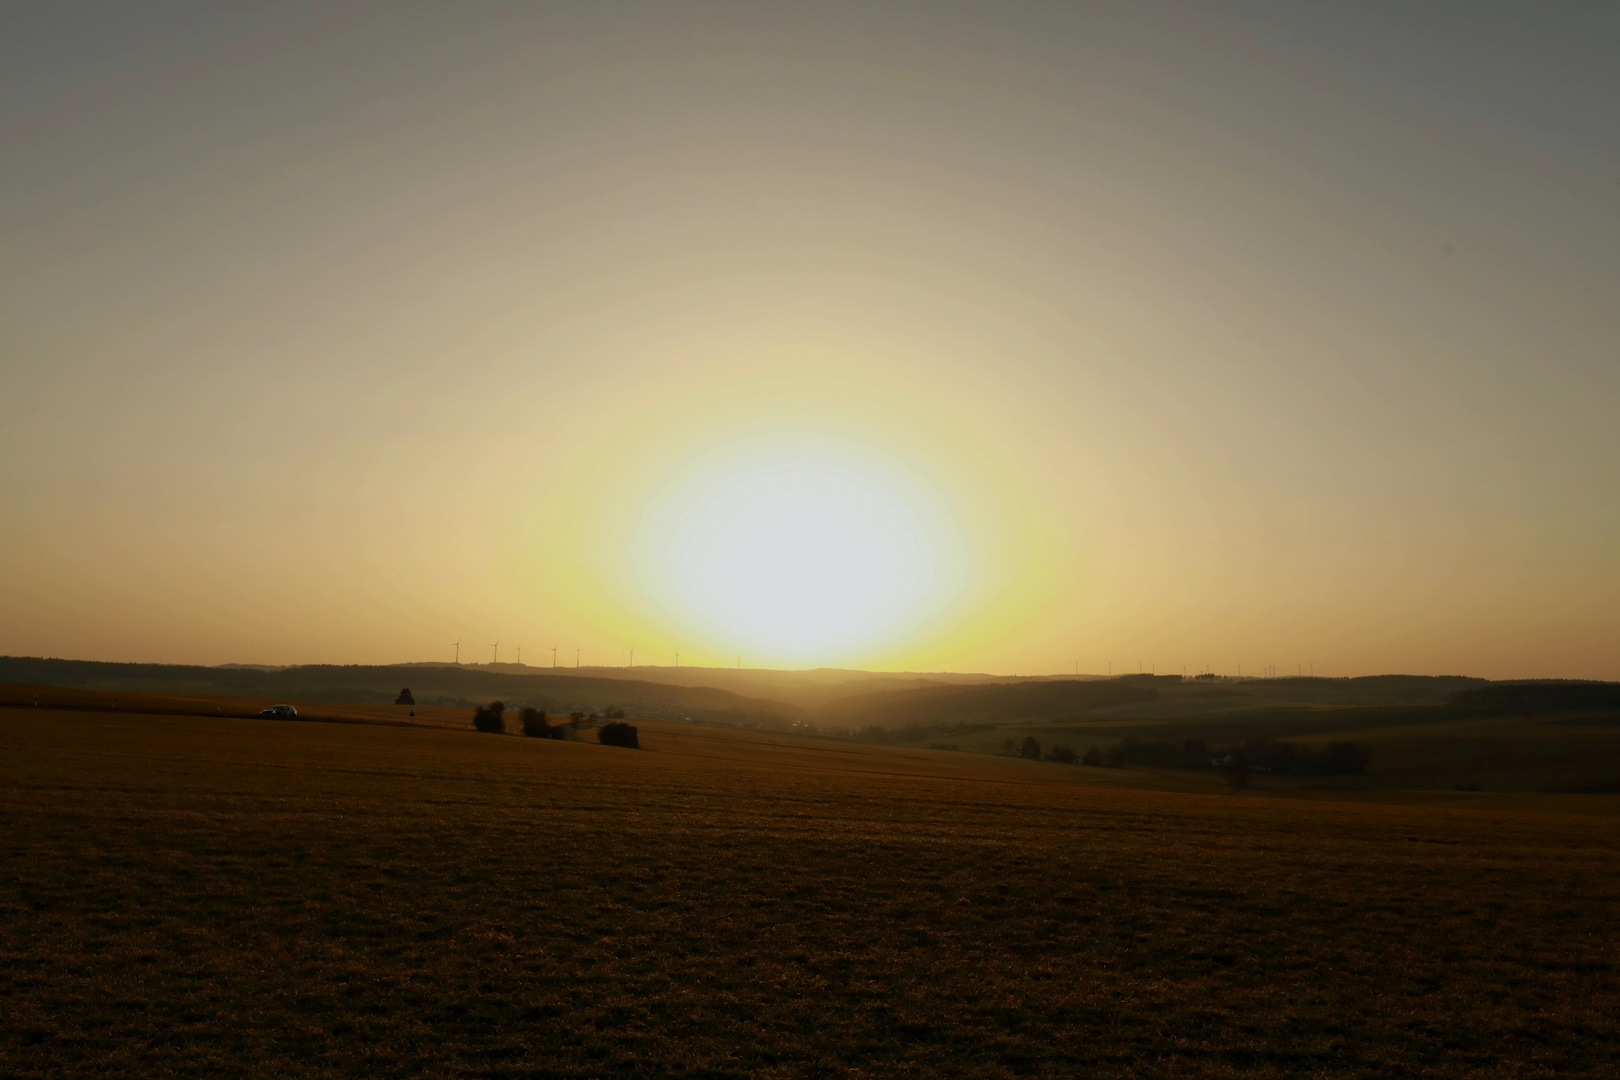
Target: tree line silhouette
x,y
1334,759
534,724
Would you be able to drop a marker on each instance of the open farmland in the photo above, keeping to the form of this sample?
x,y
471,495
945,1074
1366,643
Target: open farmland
x,y
190,895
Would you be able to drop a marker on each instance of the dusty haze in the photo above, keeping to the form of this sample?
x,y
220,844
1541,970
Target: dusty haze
x,y
1216,335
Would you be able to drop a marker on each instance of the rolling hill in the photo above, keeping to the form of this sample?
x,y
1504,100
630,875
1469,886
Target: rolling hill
x,y
950,706
431,685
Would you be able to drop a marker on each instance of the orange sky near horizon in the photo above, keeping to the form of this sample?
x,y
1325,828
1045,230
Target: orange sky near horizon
x,y
922,337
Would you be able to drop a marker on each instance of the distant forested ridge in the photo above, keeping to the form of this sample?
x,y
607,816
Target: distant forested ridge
x,y
431,684
942,707
1538,696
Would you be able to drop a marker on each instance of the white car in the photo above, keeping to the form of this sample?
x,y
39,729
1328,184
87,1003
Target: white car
x,y
279,710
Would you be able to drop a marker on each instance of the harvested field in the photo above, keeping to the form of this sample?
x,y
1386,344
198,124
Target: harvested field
x,y
190,895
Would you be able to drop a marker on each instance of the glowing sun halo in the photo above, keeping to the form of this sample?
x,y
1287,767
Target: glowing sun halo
x,y
797,558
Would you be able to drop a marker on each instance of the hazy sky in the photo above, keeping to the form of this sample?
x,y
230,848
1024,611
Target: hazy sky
x,y
1000,337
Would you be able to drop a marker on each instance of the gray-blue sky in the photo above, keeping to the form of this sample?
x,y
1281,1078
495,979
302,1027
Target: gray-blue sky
x,y
1332,282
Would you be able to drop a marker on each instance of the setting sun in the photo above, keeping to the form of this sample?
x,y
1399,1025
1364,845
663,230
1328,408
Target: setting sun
x,y
796,553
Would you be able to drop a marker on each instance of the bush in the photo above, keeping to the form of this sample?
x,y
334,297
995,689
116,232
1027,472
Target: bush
x,y
535,726
1344,757
1029,748
1062,753
1337,759
618,734
490,718
1094,757
405,697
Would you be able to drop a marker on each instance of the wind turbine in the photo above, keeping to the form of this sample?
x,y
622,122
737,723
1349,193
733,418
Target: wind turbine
x,y
520,656
497,648
554,656
739,660
632,656
677,659
458,653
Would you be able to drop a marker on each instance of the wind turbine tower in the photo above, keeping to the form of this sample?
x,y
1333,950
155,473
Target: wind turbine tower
x,y
458,653
497,648
554,656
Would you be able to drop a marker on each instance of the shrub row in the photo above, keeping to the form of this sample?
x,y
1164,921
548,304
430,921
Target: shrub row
x,y
491,718
1335,759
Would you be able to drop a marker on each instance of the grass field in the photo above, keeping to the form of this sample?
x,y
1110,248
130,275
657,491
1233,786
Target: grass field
x,y
196,895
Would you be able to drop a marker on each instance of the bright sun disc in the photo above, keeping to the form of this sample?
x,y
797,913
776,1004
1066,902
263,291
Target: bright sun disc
x,y
801,560
791,552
